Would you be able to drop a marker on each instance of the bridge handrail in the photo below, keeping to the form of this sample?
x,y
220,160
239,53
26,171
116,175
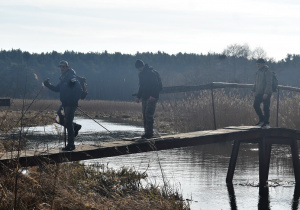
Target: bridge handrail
x,y
216,85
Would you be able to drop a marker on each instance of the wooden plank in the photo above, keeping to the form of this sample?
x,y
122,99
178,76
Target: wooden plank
x,y
137,145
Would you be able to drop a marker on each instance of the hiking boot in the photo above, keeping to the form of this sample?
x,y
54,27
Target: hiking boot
x,y
265,126
69,148
147,136
77,127
260,123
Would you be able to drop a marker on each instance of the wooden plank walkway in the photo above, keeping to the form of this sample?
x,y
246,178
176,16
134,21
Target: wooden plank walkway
x,y
137,145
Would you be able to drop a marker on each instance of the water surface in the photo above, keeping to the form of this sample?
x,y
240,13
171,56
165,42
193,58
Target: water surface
x,y
198,172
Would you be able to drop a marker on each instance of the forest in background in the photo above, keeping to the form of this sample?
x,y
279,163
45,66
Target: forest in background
x,y
112,76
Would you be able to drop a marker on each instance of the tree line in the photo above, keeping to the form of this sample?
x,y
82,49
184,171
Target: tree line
x,y
112,76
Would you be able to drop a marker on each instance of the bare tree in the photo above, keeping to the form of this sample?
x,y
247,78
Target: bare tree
x,y
259,53
236,50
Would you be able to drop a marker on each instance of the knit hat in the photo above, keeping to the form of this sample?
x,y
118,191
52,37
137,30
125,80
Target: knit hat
x,y
139,64
63,63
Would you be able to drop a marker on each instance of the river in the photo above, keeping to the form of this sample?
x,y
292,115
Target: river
x,y
198,172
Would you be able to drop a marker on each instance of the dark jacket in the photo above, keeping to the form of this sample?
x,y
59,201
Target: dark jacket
x,y
148,84
69,88
263,81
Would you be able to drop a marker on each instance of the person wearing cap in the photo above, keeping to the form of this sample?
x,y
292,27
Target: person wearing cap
x,y
148,93
262,91
70,92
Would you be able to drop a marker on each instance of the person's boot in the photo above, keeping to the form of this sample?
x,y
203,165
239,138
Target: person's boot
x,y
147,136
69,147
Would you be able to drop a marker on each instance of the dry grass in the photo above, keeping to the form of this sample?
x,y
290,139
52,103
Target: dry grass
x,y
75,186
175,112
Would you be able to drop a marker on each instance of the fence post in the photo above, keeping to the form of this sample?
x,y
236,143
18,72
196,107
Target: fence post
x,y
277,107
213,105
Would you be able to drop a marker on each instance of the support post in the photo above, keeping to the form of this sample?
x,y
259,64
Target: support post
x,y
232,163
277,111
213,105
295,157
264,161
65,135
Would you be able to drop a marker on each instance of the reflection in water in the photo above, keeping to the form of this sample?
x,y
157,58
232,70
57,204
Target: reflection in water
x,y
264,199
263,202
231,195
295,201
200,172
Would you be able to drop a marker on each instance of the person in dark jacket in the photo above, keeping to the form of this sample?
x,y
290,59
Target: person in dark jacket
x,y
148,93
263,91
70,92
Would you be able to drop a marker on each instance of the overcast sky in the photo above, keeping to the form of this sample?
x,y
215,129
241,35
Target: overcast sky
x,y
130,26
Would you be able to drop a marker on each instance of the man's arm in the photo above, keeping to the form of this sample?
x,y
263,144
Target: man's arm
x,y
50,86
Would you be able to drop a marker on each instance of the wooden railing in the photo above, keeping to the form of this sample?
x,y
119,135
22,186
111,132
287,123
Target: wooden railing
x,y
217,85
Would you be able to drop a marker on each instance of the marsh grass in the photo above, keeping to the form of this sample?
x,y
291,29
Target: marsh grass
x,y
193,111
76,186
181,112
72,185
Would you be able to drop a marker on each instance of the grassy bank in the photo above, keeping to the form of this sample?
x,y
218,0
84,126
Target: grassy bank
x,y
75,186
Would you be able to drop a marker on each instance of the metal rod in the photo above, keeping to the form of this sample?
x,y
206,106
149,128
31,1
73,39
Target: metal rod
x,y
93,119
65,135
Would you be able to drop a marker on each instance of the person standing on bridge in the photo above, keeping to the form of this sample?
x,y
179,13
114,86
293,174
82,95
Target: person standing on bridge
x,y
70,93
149,87
263,91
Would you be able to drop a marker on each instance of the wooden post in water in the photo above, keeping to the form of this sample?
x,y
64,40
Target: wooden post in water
x,y
265,146
295,157
264,161
213,105
232,163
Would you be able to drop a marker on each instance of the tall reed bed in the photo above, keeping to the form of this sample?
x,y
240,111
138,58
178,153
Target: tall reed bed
x,y
180,112
193,111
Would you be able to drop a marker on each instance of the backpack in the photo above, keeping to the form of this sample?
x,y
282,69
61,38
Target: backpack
x,y
82,81
274,81
160,86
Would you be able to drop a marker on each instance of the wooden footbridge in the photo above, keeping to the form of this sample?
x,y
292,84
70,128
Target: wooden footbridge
x,y
241,134
238,134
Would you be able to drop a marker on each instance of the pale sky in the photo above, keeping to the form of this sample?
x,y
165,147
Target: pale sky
x,y
170,26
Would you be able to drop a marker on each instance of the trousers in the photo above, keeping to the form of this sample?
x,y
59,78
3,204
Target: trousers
x,y
148,109
263,117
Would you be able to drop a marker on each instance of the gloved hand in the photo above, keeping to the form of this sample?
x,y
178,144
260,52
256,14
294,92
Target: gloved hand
x,y
46,82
